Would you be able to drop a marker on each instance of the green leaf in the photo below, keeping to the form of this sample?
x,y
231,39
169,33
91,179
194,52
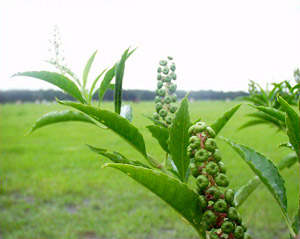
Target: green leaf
x,y
286,145
59,80
293,125
115,156
111,86
126,112
244,192
179,138
58,117
95,82
265,117
267,173
87,68
156,122
105,84
271,111
218,125
161,134
251,123
176,194
115,122
120,68
287,161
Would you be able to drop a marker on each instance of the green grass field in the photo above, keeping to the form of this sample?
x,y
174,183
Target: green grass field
x,y
53,187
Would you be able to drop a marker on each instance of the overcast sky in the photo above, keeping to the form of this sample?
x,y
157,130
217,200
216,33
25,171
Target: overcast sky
x,y
216,45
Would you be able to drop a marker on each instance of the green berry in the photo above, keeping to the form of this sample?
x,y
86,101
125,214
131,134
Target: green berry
x,y
160,84
190,152
247,236
229,196
194,170
201,155
157,99
194,142
202,202
168,99
172,88
165,70
239,219
156,92
217,155
156,116
232,213
169,119
220,205
162,92
159,70
212,168
191,129
210,144
167,79
238,232
209,217
174,97
202,181
173,75
222,167
158,106
212,190
211,132
173,67
170,58
200,127
213,235
173,109
163,112
227,227
163,62
222,180
159,77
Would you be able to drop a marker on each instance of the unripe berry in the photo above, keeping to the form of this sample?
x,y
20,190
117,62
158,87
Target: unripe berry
x,y
165,70
163,62
232,213
202,202
227,227
162,92
163,112
220,205
174,97
201,155
209,218
202,181
159,77
173,109
194,170
222,167
217,155
200,127
159,70
158,106
239,219
160,84
190,152
214,235
156,116
212,168
211,132
211,190
222,180
169,119
210,144
170,58
172,88
229,196
238,232
247,236
191,129
173,67
173,75
168,99
194,142
157,99
167,79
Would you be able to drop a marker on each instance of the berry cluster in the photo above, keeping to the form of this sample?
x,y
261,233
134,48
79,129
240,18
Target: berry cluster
x,y
220,216
165,93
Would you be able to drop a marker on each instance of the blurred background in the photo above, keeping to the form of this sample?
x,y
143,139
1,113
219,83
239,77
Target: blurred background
x,y
52,186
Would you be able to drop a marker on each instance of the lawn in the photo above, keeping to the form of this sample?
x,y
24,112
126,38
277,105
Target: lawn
x,y
53,187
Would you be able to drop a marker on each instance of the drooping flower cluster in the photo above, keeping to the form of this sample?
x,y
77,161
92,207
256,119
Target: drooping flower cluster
x,y
220,216
165,93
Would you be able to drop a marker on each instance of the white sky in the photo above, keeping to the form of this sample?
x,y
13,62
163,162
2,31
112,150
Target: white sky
x,y
216,44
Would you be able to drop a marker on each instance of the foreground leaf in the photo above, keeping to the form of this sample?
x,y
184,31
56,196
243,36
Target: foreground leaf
x,y
95,82
218,125
58,117
179,138
287,161
110,74
161,134
87,68
156,122
293,125
59,80
115,156
176,194
115,122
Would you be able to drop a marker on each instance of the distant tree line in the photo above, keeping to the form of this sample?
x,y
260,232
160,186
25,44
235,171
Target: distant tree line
x,y
128,95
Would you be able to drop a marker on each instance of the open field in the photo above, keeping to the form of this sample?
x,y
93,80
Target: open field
x,y
53,187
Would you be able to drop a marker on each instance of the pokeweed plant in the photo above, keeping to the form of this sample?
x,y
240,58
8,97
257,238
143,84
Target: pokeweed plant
x,y
190,149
